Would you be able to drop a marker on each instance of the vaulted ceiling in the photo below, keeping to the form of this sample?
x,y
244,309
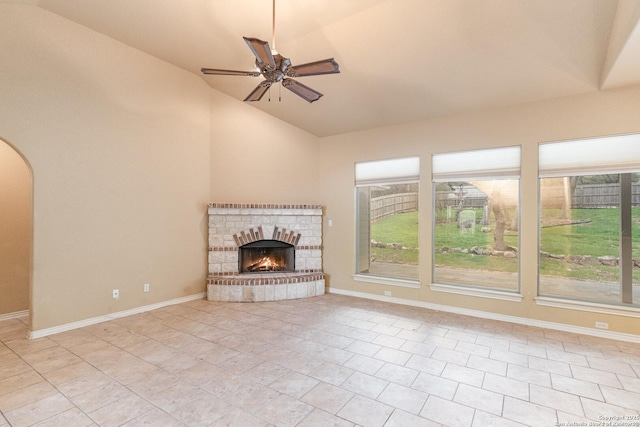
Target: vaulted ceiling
x,y
400,60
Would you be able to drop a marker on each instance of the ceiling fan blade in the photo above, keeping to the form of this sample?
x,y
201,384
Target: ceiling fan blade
x,y
262,51
258,92
218,72
325,66
301,90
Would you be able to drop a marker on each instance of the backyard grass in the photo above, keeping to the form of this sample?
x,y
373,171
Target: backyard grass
x,y
596,235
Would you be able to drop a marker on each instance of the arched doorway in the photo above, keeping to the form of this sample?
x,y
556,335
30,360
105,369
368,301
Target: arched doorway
x,y
16,229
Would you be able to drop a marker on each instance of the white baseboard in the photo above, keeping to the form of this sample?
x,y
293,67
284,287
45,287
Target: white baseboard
x,y
14,315
94,320
494,316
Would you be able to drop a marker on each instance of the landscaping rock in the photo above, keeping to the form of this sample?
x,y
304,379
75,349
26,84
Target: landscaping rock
x,y
608,260
574,259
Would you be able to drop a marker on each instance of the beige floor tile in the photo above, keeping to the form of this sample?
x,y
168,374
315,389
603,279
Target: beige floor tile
x,y
70,418
388,341
487,365
12,365
331,373
294,384
199,373
201,409
595,410
238,417
365,364
16,382
577,387
121,411
319,418
85,383
550,366
26,395
558,400
327,397
463,374
284,411
404,398
38,410
528,413
446,412
450,356
366,412
98,397
153,418
390,355
478,398
507,386
435,385
266,372
624,398
397,374
532,376
403,419
366,385
426,364
334,355
595,376
483,419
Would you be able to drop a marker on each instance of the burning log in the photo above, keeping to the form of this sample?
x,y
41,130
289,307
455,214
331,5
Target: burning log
x,y
265,264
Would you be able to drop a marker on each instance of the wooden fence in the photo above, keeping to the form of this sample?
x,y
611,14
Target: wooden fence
x,y
384,206
590,196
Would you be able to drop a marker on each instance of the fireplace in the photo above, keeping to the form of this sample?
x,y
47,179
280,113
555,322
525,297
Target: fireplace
x,y
266,256
264,252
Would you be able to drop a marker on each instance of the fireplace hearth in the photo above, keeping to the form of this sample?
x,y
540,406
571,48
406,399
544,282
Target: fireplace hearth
x,y
264,252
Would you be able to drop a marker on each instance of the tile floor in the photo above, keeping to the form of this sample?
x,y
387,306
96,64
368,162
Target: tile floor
x,y
325,361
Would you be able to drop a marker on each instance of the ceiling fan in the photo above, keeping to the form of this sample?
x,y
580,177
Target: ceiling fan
x,y
276,68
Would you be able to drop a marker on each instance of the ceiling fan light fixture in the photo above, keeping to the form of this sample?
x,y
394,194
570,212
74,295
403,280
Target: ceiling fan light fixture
x,y
274,67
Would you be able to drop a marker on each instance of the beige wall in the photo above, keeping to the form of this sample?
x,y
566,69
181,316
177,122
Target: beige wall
x,y
256,158
594,114
15,231
118,143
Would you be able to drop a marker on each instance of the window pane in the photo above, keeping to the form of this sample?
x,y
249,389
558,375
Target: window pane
x,y
635,230
476,233
387,228
580,223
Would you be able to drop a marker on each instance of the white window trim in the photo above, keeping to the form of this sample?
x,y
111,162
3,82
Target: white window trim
x,y
391,281
477,292
591,307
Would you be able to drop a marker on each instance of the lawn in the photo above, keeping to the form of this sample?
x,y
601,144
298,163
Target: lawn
x,y
595,235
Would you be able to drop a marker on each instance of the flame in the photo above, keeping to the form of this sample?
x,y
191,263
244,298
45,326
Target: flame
x,y
265,264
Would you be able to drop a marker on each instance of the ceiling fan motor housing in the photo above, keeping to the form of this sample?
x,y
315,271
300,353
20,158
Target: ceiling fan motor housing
x,y
277,73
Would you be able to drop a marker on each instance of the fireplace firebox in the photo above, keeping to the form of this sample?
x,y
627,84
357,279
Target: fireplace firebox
x,y
264,256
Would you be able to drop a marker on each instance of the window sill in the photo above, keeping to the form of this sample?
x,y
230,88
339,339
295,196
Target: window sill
x,y
592,307
477,292
392,281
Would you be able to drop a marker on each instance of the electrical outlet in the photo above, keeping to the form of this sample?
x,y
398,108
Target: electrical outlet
x,y
602,325
146,287
116,293
387,293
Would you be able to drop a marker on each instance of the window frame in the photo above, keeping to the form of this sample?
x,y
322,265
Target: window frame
x,y
597,156
450,171
403,170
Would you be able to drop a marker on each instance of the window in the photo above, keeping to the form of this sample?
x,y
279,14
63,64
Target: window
x,y
590,220
476,198
387,218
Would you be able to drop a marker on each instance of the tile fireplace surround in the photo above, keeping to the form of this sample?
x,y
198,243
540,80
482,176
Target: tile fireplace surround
x,y
234,225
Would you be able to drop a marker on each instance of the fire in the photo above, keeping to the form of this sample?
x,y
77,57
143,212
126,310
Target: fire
x,y
265,264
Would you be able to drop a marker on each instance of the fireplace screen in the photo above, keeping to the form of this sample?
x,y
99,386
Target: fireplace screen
x,y
266,256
